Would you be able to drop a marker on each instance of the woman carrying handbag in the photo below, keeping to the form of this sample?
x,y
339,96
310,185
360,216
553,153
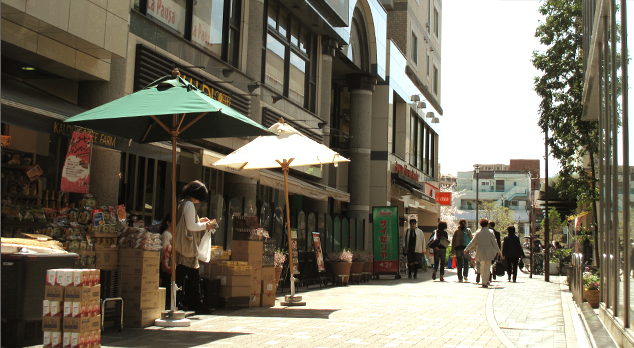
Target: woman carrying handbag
x,y
188,233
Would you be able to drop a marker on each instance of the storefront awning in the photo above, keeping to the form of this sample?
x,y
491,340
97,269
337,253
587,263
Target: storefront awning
x,y
276,180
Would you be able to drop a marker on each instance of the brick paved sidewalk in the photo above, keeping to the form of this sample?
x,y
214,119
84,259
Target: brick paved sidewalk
x,y
384,313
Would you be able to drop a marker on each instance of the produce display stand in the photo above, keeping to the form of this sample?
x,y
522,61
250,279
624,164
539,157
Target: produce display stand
x,y
386,241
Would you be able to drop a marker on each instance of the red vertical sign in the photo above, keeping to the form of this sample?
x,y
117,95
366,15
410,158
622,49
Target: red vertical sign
x,y
76,172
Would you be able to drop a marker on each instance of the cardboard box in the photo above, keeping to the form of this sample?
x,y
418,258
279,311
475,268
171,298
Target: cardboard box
x,y
138,265
141,317
162,298
82,293
254,301
235,280
54,293
254,260
138,253
235,291
268,273
56,339
246,247
107,258
82,324
140,300
219,270
51,324
139,282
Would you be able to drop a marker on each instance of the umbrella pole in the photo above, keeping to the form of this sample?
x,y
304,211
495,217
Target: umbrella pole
x,y
173,317
291,300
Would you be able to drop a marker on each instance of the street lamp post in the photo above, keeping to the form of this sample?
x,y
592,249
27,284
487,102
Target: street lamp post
x,y
477,173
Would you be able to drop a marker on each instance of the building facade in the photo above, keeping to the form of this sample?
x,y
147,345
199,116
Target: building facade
x,y
331,70
512,186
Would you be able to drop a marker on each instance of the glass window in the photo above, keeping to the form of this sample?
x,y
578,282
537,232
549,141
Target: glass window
x,y
436,24
414,49
412,139
295,33
207,24
428,68
169,12
284,19
290,62
297,80
274,73
435,81
304,40
272,14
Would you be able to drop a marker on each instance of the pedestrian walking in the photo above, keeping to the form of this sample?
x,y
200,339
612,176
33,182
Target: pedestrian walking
x,y
440,250
512,251
461,238
414,247
486,248
498,239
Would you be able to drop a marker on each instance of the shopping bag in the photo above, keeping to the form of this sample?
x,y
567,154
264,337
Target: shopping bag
x,y
204,248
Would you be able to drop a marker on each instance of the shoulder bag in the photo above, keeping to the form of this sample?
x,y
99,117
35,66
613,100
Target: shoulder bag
x,y
433,241
185,243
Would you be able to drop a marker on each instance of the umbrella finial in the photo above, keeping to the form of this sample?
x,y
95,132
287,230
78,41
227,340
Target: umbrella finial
x,y
281,120
175,72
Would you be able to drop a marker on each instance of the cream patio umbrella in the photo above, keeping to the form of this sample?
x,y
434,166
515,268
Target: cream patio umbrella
x,y
289,148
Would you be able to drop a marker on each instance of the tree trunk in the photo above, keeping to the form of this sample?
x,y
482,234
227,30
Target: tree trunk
x,y
597,259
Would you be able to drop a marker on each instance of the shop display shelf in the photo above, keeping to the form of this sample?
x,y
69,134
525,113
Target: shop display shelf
x,y
110,283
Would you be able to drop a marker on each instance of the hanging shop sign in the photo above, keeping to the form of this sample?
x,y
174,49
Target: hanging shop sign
x,y
151,66
101,139
321,267
403,169
443,198
385,235
76,171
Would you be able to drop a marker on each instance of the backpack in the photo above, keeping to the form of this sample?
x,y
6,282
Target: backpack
x,y
465,237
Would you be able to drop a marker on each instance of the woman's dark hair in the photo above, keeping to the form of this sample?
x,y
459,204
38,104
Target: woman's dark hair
x,y
484,222
442,225
166,222
511,229
462,224
196,190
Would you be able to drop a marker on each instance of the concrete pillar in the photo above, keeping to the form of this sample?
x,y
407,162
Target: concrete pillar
x,y
325,88
361,89
254,52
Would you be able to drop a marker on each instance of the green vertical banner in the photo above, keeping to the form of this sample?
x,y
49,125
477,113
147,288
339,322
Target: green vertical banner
x,y
385,236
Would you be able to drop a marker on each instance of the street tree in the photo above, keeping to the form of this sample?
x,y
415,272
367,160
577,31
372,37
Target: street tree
x,y
448,212
560,87
502,216
555,224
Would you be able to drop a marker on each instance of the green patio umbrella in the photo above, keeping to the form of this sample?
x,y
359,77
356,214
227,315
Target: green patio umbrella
x,y
169,108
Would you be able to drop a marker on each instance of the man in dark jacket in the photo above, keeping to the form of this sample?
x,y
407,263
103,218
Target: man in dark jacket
x,y
512,251
497,238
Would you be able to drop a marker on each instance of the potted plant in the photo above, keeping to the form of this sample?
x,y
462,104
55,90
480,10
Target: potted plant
x,y
358,261
368,261
591,287
564,257
340,263
280,258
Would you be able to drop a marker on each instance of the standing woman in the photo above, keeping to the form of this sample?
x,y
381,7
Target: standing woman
x,y
187,275
512,251
440,251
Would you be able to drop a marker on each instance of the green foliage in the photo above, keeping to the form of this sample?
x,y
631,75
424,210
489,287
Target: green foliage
x,y
502,216
560,87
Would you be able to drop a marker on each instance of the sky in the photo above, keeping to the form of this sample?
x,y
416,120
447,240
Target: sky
x,y
490,110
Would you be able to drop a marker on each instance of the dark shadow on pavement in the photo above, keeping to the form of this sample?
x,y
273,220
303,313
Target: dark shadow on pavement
x,y
285,312
158,337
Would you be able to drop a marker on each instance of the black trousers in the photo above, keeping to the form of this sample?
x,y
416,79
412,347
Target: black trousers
x,y
511,267
189,280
